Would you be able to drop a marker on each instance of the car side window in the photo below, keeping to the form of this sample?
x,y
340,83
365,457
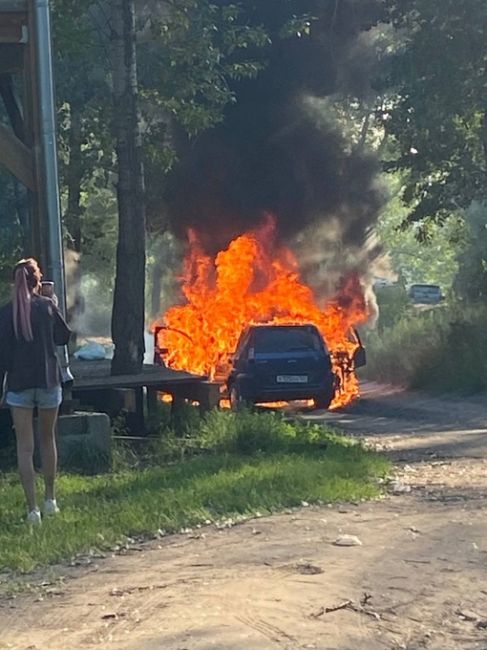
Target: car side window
x,y
241,345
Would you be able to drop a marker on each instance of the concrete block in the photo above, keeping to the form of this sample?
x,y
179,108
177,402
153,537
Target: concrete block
x,y
84,443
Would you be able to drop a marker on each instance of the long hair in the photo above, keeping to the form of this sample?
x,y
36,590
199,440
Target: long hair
x,y
27,278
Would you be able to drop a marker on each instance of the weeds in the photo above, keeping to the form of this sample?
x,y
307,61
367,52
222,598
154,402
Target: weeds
x,y
246,433
250,433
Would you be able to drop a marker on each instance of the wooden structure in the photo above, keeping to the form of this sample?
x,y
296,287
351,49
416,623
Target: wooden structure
x,y
28,148
93,378
20,150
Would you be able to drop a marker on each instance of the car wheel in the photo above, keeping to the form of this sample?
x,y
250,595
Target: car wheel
x,y
237,402
324,400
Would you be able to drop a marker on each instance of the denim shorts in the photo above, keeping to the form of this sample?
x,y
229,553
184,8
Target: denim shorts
x,y
43,398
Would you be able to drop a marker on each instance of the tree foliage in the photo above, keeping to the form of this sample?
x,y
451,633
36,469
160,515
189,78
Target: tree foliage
x,y
191,51
432,260
471,279
429,100
437,113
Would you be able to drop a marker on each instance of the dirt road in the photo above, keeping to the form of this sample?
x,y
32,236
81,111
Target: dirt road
x,y
419,579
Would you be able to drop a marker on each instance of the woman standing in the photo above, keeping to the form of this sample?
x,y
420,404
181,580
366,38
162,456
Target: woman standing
x,y
31,327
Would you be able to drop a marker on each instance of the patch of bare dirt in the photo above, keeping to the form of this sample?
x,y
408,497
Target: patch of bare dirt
x,y
418,579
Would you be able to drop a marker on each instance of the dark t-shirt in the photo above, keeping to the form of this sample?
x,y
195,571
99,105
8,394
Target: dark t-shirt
x,y
32,364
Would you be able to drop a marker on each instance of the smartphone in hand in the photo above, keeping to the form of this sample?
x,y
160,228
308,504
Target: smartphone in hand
x,y
47,289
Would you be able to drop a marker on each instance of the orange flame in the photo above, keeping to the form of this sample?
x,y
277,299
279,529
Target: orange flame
x,y
255,281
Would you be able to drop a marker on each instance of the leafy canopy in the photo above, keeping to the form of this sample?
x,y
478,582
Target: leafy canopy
x,y
438,108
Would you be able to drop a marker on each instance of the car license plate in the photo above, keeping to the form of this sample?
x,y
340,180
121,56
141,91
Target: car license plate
x,y
292,379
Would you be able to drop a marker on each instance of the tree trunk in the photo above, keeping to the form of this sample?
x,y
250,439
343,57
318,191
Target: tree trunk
x,y
128,301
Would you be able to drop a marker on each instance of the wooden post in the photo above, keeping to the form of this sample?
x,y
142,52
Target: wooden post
x,y
152,401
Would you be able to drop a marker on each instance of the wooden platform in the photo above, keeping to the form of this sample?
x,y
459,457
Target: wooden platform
x,y
92,375
94,378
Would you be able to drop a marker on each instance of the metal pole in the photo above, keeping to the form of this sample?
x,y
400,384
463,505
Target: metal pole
x,y
47,121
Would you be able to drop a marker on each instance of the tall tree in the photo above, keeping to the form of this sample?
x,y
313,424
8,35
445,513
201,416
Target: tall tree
x,y
128,302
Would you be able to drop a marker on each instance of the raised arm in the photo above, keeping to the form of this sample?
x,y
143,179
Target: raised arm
x,y
62,333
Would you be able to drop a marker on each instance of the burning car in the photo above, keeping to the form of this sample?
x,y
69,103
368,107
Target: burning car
x,y
281,362
257,280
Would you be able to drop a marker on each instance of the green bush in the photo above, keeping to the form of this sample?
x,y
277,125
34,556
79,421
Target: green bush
x,y
393,303
442,350
246,433
250,433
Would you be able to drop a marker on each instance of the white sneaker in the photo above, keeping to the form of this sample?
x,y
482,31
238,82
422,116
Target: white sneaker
x,y
34,517
50,507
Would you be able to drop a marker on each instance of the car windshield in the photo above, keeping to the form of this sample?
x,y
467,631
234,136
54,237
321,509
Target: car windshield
x,y
285,339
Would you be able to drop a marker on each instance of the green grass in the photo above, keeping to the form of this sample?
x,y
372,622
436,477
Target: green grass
x,y
274,465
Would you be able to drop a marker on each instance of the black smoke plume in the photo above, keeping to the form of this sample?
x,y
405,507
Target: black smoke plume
x,y
275,152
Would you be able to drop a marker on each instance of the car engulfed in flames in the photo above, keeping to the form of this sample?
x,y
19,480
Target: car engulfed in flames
x,y
256,281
